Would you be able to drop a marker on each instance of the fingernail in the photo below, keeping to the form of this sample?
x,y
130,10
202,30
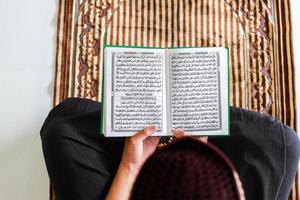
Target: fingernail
x,y
152,127
178,130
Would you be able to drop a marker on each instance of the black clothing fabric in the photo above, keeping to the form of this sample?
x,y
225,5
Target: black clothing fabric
x,y
81,162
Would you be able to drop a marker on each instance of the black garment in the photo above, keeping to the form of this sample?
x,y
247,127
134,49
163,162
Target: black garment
x,y
82,163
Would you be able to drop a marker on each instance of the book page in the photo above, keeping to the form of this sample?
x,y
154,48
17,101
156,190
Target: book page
x,y
195,89
136,89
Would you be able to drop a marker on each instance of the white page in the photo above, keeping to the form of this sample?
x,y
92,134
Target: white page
x,y
198,87
134,96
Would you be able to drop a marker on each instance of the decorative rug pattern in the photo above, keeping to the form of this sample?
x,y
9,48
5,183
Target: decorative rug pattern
x,y
257,33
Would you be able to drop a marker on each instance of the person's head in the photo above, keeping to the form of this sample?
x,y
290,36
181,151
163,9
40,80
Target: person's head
x,y
188,169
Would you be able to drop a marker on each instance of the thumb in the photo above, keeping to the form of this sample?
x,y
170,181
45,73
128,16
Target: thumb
x,y
143,134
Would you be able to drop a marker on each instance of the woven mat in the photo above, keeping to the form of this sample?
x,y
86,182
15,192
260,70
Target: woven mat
x,y
258,33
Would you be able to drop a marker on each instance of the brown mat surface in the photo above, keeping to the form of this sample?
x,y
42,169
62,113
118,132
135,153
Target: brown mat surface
x,y
258,33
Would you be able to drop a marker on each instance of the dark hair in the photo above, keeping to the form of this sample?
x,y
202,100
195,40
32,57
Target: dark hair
x,y
187,169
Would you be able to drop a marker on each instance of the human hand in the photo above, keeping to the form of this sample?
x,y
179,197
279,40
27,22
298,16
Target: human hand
x,y
138,148
178,133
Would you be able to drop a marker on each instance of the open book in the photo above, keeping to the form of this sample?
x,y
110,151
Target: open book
x,y
180,88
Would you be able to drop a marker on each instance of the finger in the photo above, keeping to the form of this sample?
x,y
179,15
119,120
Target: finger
x,y
154,140
203,139
178,133
143,134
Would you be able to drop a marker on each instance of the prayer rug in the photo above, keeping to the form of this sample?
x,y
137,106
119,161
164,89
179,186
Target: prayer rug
x,y
257,32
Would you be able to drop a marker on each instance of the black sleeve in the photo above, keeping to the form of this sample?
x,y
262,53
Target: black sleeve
x,y
81,163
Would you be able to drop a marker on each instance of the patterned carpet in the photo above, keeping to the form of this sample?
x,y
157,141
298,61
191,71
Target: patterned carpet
x,y
257,32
